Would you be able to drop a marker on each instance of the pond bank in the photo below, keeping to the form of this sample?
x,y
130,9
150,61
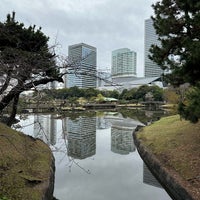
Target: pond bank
x,y
26,167
171,149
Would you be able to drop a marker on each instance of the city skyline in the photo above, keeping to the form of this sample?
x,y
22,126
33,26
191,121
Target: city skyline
x,y
92,22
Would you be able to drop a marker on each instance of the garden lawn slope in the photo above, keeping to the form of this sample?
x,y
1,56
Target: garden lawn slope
x,y
176,144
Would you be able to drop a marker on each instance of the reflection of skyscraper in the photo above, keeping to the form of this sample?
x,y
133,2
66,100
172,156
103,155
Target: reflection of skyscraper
x,y
81,137
102,123
122,140
64,126
149,178
45,128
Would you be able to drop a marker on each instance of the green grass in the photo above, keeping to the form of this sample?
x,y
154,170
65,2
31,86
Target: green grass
x,y
176,143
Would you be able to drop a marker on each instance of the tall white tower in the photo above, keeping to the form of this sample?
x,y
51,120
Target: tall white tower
x,y
151,69
123,63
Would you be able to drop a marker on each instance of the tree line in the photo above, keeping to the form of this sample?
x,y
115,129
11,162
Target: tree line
x,y
134,95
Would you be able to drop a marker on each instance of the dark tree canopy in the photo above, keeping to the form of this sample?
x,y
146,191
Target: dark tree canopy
x,y
177,23
25,60
24,52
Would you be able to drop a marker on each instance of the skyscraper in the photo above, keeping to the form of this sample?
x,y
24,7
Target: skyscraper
x,y
84,75
123,63
151,69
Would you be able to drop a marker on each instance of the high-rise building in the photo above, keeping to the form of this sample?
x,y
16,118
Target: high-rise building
x,y
83,72
123,63
151,69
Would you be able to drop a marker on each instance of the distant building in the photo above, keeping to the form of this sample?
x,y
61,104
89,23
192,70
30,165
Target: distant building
x,y
130,83
84,58
104,78
123,63
151,69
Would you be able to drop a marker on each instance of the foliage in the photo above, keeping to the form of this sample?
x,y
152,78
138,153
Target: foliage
x,y
190,108
24,53
100,98
171,96
134,94
114,93
138,94
25,61
67,93
3,198
177,24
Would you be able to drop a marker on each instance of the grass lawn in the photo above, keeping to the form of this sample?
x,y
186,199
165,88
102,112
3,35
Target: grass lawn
x,y
176,143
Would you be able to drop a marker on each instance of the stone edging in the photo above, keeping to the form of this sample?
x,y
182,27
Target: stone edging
x,y
169,182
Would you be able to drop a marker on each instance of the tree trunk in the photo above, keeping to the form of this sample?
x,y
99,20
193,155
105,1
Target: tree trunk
x,y
21,88
11,119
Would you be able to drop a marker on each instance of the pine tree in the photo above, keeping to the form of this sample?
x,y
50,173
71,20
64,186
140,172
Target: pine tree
x,y
25,61
177,23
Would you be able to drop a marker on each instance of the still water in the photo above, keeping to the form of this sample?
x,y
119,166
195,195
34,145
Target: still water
x,y
95,157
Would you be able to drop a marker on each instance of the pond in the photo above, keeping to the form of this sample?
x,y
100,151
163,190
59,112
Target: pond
x,y
95,155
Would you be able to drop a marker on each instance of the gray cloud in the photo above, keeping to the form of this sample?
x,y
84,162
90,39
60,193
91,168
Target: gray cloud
x,y
105,24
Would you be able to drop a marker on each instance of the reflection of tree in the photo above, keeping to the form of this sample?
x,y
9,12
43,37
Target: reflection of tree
x,y
75,115
143,116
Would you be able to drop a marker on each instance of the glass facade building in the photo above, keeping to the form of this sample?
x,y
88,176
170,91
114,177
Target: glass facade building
x,y
84,68
123,63
151,69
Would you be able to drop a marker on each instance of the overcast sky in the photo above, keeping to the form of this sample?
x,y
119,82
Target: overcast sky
x,y
105,24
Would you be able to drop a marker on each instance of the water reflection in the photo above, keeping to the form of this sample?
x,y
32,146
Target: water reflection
x,y
101,146
149,178
122,140
81,136
45,128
